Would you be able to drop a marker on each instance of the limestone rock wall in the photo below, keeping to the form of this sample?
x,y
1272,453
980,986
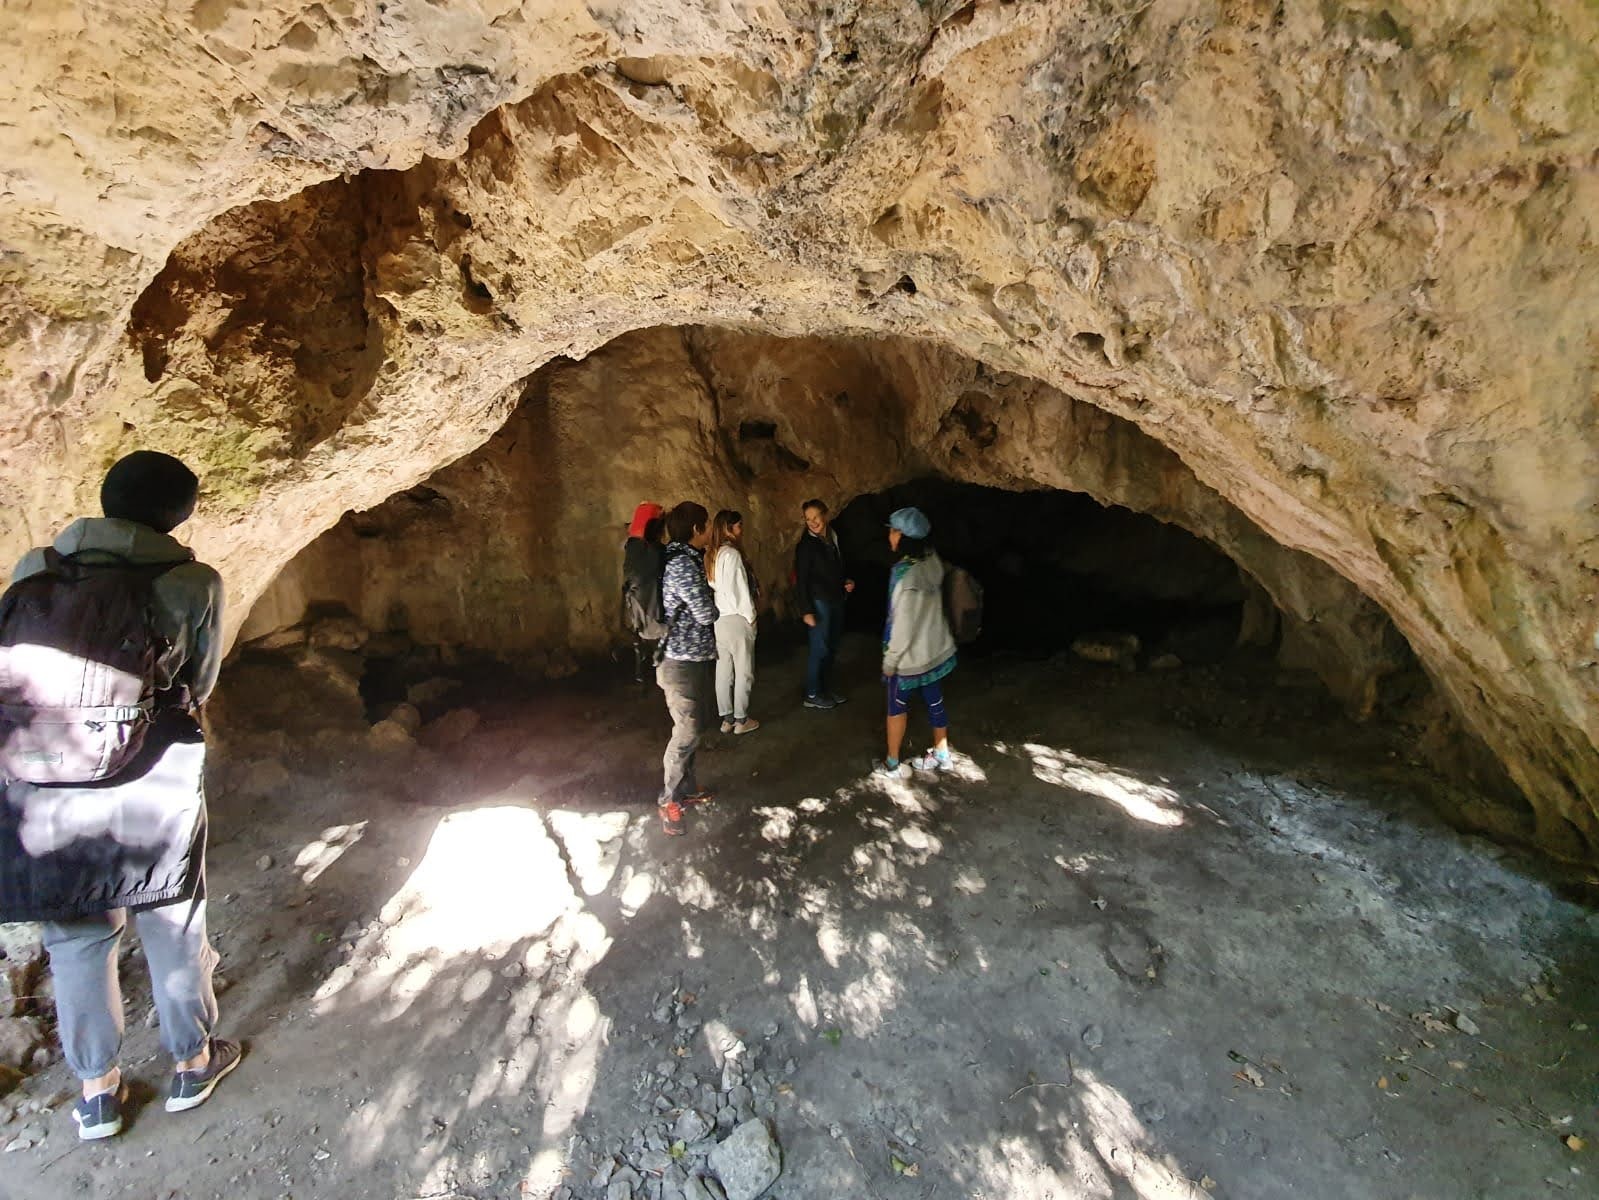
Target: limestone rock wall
x,y
1335,255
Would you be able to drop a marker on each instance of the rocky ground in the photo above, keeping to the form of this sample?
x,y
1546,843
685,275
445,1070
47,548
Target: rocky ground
x,y
1162,934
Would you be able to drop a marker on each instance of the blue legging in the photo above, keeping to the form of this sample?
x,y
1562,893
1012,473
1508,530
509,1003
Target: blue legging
x,y
899,701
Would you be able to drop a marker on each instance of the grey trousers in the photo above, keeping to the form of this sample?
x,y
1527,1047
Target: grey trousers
x,y
687,686
735,666
83,967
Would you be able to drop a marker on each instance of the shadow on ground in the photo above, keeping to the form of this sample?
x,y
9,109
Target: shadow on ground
x,y
1157,937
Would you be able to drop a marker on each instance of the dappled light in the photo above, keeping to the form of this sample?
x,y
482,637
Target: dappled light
x,y
317,856
993,977
1151,803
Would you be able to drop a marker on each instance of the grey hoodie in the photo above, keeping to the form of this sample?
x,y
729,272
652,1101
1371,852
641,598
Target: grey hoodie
x,y
188,597
919,636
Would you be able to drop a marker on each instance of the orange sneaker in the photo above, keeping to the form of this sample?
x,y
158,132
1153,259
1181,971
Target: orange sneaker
x,y
672,819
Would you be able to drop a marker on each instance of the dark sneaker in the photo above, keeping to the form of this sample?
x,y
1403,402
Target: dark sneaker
x,y
837,699
701,796
100,1116
672,819
820,702
190,1089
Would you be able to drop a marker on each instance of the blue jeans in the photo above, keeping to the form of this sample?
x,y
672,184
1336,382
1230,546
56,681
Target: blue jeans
x,y
824,637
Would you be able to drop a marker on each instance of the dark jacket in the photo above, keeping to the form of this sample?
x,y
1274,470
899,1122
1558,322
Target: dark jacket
x,y
642,613
71,850
690,606
818,570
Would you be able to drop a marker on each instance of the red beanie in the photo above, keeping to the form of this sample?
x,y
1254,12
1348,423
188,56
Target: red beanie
x,y
642,516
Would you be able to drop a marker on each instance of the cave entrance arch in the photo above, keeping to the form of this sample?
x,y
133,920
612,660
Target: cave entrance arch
x,y
514,549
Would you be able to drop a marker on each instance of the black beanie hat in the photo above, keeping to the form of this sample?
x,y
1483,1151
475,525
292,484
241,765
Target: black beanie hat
x,y
151,488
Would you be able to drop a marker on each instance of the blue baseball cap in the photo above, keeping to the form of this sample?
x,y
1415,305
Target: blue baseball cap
x,y
912,522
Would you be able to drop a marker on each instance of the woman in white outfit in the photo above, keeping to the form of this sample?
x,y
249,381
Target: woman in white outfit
x,y
729,573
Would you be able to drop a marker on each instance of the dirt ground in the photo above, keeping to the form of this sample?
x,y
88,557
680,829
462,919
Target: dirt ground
x,y
1161,935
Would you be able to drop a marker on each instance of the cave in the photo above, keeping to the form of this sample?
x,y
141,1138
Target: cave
x,y
510,553
1057,567
1241,349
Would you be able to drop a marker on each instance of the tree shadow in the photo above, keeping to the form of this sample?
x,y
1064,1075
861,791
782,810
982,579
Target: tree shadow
x,y
1058,970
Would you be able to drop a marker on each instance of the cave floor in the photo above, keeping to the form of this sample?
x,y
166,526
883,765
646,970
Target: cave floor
x,y
1161,935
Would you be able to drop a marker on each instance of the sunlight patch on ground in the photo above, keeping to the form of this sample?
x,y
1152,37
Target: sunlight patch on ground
x,y
1015,1170
1122,1143
319,855
1080,864
593,844
694,890
491,880
803,1000
1142,801
964,768
831,940
778,824
635,892
693,944
921,841
489,877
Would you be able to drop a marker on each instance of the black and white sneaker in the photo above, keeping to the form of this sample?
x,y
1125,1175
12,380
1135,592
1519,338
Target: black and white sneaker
x,y
190,1089
100,1116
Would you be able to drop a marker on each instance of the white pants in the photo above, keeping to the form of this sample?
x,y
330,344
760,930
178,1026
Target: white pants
x,y
735,667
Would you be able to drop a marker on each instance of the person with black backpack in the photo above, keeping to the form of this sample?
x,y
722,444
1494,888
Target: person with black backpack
x,y
643,557
110,640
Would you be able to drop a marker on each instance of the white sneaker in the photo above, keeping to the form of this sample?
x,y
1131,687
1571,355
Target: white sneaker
x,y
934,760
899,770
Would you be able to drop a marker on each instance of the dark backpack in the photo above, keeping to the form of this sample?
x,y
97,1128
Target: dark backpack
x,y
642,611
963,604
78,654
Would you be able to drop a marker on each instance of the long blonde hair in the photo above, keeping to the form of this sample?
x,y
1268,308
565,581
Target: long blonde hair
x,y
722,535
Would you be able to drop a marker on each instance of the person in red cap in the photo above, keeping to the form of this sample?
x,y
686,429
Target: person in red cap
x,y
643,557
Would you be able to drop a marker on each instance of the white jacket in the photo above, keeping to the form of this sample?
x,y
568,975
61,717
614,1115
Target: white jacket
x,y
919,637
732,586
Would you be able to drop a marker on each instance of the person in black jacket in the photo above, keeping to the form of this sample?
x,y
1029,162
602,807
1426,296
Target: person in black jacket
x,y
821,585
643,557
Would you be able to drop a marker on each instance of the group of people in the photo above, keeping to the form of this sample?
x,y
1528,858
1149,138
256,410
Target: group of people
x,y
111,641
690,597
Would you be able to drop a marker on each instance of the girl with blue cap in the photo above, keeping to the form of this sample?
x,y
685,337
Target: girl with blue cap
x,y
918,646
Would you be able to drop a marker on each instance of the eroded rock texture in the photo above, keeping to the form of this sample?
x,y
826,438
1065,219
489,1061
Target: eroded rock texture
x,y
1337,257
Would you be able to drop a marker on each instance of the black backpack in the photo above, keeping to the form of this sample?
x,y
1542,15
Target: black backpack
x,y
78,654
642,613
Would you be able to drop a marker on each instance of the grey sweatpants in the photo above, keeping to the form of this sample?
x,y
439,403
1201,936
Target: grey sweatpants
x,y
83,967
687,686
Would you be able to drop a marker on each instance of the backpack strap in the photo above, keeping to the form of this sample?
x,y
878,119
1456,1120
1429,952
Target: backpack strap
x,y
109,714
